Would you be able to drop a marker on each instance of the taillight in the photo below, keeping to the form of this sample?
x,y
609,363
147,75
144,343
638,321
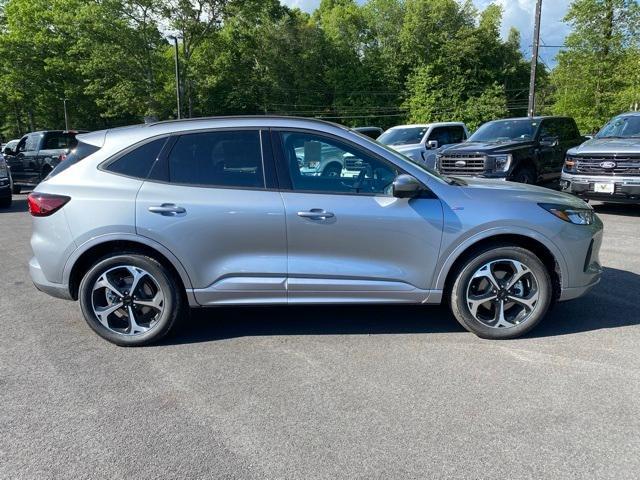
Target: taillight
x,y
44,204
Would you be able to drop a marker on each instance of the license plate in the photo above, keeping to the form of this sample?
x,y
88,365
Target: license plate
x,y
604,187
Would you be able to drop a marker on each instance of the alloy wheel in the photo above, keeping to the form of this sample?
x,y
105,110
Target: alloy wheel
x,y
502,293
127,300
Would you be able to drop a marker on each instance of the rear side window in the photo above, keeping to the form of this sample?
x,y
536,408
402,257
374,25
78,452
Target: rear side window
x,y
82,151
58,141
218,159
138,162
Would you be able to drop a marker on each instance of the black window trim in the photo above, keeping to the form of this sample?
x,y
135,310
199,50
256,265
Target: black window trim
x,y
284,175
269,180
104,165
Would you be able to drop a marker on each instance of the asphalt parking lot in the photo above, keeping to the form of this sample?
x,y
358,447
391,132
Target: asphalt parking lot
x,y
323,392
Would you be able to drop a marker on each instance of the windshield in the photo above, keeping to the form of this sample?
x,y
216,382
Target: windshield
x,y
403,136
506,131
621,127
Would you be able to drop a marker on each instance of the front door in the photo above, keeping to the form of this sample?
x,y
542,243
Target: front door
x,y
213,210
349,239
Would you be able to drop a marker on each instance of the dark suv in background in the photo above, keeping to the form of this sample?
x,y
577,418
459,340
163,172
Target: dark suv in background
x,y
36,154
525,150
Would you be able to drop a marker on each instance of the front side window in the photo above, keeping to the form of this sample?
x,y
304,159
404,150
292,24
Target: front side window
x,y
218,159
138,162
320,164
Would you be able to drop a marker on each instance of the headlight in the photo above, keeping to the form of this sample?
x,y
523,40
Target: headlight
x,y
3,167
569,164
437,164
577,216
501,162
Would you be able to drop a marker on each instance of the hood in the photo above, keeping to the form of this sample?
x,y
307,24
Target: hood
x,y
407,148
524,192
607,145
487,147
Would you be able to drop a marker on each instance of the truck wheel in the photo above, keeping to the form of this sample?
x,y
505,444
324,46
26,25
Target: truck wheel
x,y
6,202
16,189
524,175
501,293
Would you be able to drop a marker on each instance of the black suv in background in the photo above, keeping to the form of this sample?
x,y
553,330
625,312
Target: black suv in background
x,y
36,154
525,150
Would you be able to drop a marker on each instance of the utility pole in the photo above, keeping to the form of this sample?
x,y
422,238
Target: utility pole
x,y
66,115
177,62
534,60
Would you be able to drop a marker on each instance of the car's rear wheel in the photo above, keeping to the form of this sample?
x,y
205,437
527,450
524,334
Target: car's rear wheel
x,y
501,293
130,299
332,170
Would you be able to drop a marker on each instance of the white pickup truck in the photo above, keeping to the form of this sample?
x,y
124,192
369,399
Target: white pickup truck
x,y
422,141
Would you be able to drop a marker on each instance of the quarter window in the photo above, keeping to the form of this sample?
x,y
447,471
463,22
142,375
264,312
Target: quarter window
x,y
320,164
137,163
224,159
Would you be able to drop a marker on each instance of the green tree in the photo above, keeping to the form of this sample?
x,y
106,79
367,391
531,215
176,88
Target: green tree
x,y
597,75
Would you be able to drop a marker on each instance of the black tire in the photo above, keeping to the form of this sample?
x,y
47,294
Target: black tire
x,y
174,305
16,189
6,202
524,174
332,170
463,277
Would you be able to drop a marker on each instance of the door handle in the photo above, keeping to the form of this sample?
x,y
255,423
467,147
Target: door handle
x,y
316,214
167,209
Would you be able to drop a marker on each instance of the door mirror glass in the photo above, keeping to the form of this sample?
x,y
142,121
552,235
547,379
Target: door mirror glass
x,y
432,144
549,141
406,186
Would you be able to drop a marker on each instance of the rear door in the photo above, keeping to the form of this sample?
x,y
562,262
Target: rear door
x,y
211,200
349,239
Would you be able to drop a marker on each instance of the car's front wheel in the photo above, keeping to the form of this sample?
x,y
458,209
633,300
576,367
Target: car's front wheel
x,y
130,299
501,293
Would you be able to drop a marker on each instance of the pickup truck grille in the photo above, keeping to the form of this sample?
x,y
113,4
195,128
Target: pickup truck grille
x,y
352,163
462,164
627,166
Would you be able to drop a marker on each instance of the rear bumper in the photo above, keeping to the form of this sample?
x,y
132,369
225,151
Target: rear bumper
x,y
5,188
57,290
625,189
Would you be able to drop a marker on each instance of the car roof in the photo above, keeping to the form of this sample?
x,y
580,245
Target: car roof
x,y
135,133
427,125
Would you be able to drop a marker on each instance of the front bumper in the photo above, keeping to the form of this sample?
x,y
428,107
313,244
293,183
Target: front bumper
x,y
57,290
625,189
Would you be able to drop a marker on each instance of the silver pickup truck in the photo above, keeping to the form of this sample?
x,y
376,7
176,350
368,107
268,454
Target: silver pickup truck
x,y
607,167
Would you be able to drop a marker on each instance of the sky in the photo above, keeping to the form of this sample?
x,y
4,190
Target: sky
x,y
516,13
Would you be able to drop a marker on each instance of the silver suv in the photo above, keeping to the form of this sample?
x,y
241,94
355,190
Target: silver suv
x,y
140,223
607,167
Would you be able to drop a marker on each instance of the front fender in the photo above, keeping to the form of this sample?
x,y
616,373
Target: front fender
x,y
447,260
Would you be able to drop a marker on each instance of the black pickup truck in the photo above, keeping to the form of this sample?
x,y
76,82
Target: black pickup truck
x,y
526,150
36,154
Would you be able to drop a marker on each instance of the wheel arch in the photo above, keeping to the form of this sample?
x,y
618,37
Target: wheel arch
x,y
544,249
86,256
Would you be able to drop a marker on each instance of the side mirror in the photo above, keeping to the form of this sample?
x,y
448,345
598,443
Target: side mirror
x,y
549,141
406,186
432,144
